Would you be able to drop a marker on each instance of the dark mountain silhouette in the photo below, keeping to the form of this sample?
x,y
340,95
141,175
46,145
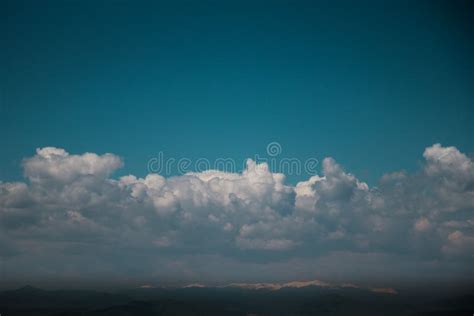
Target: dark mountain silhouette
x,y
308,300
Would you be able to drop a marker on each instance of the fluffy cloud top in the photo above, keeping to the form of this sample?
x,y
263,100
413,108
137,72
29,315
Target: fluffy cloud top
x,y
56,165
70,205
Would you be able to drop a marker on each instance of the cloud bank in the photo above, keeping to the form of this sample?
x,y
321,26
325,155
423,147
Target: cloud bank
x,y
71,218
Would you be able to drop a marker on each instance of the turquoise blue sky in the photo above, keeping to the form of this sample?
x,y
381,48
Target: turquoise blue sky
x,y
368,83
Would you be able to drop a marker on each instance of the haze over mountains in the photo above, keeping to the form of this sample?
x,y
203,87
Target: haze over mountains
x,y
291,284
293,298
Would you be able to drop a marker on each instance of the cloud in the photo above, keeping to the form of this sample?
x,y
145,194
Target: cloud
x,y
57,166
71,205
422,225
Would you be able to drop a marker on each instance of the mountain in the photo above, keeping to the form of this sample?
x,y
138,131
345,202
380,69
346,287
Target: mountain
x,y
278,286
292,298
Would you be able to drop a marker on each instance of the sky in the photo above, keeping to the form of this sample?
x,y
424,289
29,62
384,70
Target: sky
x,y
379,93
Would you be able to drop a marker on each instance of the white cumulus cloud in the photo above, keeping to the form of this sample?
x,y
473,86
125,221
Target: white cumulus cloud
x,y
71,205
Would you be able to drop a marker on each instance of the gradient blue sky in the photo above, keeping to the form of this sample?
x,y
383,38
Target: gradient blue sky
x,y
368,83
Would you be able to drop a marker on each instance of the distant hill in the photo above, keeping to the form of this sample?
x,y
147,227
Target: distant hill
x,y
299,299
